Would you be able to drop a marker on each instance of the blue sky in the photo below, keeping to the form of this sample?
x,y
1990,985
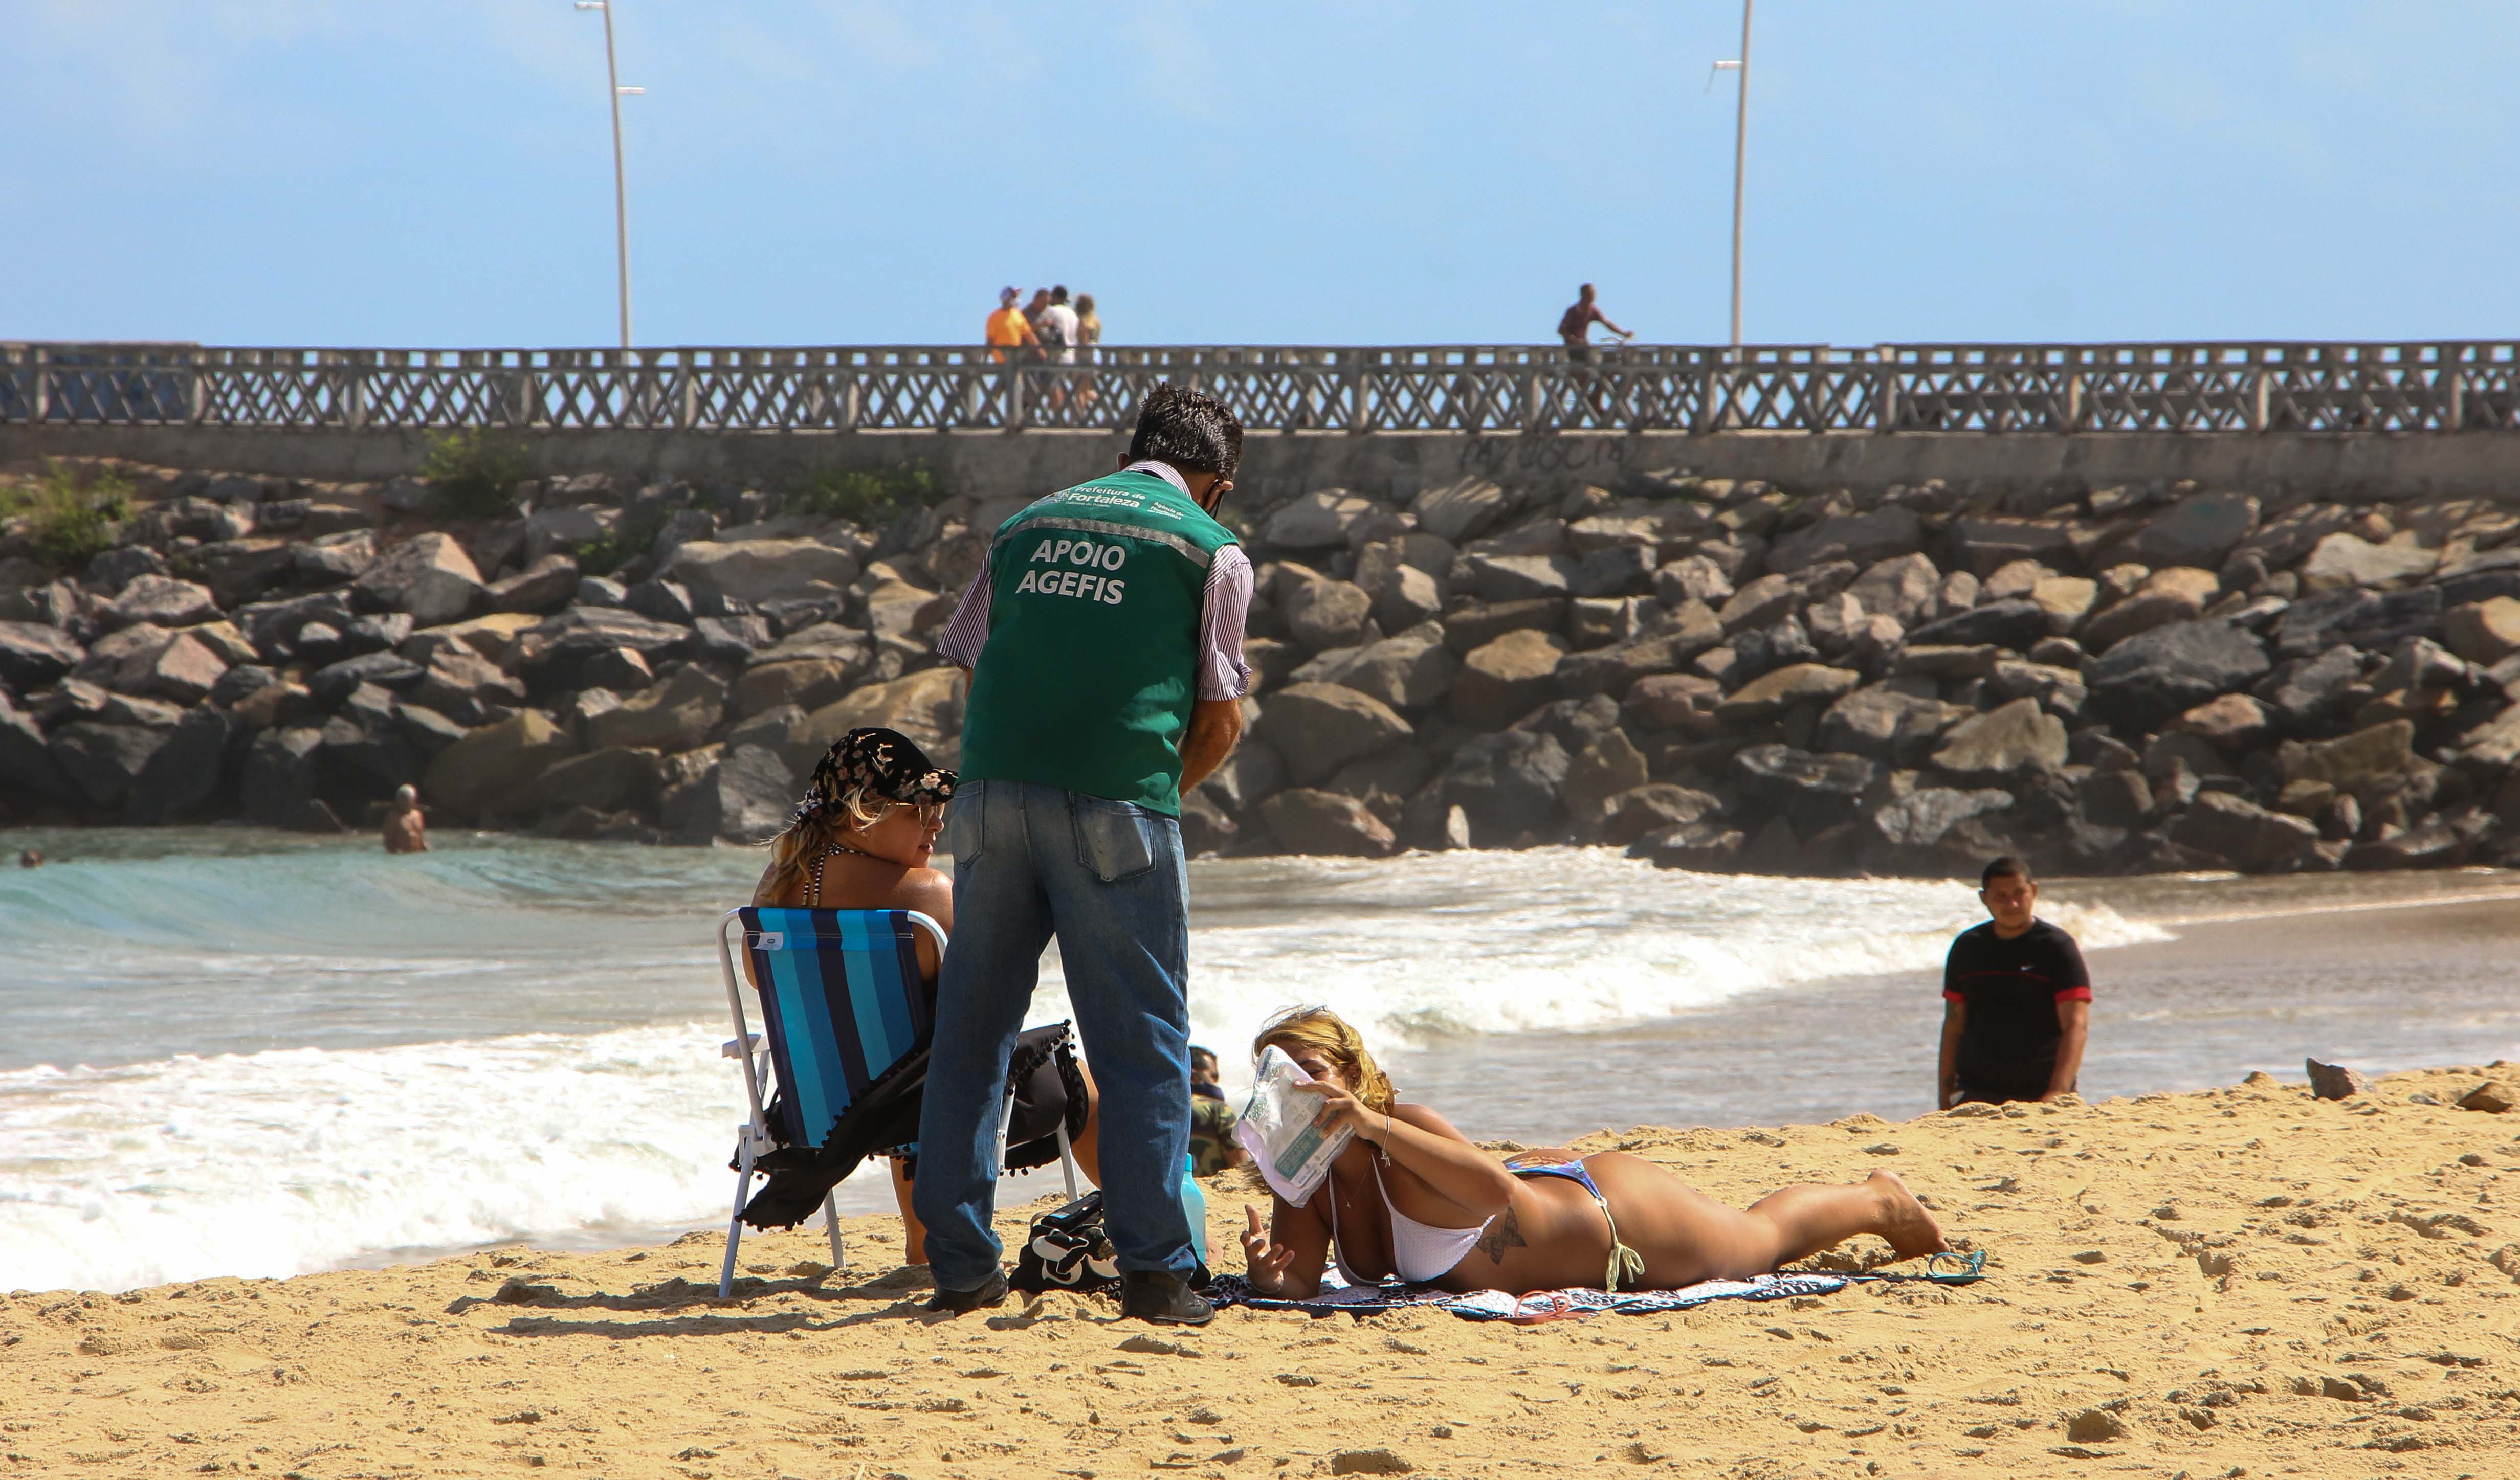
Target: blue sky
x,y
436,172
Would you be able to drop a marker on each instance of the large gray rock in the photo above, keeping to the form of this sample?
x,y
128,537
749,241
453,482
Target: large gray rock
x,y
2314,690
27,763
1328,823
2352,763
755,572
1773,694
1474,625
673,716
926,706
551,651
1324,613
1812,791
1681,702
1616,670
1652,807
1922,818
237,571
2179,593
1252,774
1761,602
32,656
1405,596
1506,679
274,627
2015,742
1610,766
1905,588
1616,571
428,576
1316,521
2345,561
1984,546
744,796
465,686
1406,671
1508,785
2016,624
162,600
547,584
336,559
1319,728
2149,678
1864,538
2199,530
2252,837
279,775
809,683
1520,576
1464,510
1884,723
105,760
1692,578
106,575
497,769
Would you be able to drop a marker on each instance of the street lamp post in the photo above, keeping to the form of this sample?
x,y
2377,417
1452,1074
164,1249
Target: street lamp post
x,y
1741,160
621,187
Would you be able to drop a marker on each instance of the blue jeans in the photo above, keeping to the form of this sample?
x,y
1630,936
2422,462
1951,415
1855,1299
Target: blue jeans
x,y
1107,880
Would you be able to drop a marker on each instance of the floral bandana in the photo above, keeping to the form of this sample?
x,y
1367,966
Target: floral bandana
x,y
884,763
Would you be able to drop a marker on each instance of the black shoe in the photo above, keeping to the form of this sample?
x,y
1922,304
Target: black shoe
x,y
1162,1298
991,1292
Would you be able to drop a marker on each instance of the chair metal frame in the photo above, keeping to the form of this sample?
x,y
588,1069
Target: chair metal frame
x,y
752,1136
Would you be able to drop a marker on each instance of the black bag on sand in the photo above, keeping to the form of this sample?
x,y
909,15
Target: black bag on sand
x,y
1049,1089
1069,1250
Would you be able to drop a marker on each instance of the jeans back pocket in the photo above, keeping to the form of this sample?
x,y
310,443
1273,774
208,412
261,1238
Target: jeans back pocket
x,y
1114,840
964,828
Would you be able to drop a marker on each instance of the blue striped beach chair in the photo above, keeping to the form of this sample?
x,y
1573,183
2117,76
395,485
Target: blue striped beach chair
x,y
842,1005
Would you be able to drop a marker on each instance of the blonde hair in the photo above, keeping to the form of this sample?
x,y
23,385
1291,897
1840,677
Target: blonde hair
x,y
794,851
1333,1038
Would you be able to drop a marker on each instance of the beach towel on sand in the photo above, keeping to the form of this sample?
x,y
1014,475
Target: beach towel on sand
x,y
1557,1305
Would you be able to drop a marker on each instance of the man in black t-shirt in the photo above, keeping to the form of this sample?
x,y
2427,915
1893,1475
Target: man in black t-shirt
x,y
2016,999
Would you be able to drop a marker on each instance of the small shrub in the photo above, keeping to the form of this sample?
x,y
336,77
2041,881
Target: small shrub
x,y
870,499
629,540
476,471
69,517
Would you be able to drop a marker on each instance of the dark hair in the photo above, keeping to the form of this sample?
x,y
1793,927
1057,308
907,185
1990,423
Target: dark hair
x,y
1196,1054
1191,432
1058,294
2006,867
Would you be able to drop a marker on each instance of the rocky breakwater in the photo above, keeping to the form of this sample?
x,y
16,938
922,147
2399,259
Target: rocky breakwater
x,y
1713,674
288,653
1726,675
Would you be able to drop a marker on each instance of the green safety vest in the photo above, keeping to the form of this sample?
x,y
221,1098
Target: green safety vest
x,y
1091,665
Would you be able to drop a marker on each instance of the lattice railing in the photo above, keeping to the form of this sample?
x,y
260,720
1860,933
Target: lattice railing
x,y
1995,388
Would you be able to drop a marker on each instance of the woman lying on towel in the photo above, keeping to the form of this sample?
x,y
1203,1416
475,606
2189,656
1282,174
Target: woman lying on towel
x,y
1410,1196
860,840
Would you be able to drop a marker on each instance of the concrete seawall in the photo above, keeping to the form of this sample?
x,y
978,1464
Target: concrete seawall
x,y
2474,463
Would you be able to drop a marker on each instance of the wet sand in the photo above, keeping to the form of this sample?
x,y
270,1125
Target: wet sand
x,y
2239,1282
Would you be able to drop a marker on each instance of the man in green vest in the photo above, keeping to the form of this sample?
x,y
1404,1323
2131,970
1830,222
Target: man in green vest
x,y
1103,641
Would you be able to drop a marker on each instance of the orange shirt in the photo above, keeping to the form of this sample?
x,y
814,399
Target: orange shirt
x,y
1009,326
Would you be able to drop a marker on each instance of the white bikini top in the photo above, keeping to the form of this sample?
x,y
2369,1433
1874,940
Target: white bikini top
x,y
1420,1252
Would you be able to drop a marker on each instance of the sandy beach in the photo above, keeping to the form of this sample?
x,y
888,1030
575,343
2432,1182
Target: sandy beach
x,y
2235,1281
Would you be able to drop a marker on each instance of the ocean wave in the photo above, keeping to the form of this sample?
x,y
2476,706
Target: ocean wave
x,y
276,1163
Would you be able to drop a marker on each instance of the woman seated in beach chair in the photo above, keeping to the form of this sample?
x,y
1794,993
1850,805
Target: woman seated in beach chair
x,y
860,840
1411,1197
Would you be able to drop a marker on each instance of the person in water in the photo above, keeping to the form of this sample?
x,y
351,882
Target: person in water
x,y
1411,1197
860,840
406,830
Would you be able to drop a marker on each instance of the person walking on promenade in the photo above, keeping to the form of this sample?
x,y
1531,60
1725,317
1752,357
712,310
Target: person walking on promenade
x,y
1056,326
1008,327
1575,331
1089,334
2016,999
1104,644
405,830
